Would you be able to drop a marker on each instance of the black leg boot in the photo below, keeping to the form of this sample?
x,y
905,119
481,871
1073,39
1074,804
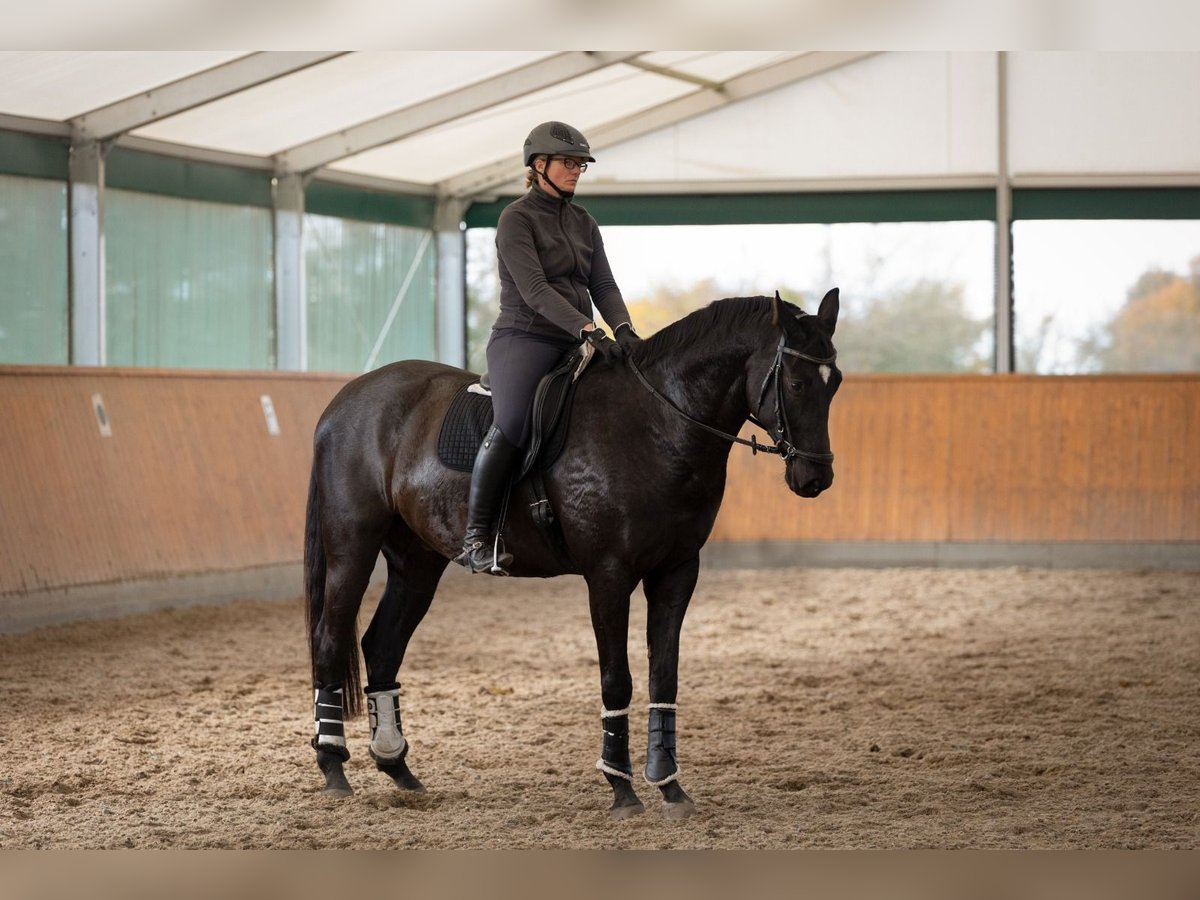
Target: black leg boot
x,y
493,468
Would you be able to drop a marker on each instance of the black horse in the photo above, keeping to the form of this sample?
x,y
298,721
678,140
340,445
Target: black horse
x,y
636,490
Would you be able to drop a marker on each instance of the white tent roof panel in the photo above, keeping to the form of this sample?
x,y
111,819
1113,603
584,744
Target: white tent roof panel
x,y
62,84
893,115
905,114
1104,112
586,102
323,99
489,136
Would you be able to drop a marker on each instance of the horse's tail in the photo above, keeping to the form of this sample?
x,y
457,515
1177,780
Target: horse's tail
x,y
314,569
314,595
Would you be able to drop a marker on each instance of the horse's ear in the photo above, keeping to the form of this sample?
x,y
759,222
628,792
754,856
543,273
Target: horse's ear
x,y
828,312
775,308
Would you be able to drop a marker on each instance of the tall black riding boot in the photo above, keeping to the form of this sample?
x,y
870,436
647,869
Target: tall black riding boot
x,y
493,468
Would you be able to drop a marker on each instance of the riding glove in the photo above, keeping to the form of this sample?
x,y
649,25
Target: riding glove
x,y
626,336
610,351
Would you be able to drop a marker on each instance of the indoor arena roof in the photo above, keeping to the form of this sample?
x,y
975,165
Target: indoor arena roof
x,y
452,122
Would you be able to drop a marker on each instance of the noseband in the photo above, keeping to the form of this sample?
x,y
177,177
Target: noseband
x,y
782,433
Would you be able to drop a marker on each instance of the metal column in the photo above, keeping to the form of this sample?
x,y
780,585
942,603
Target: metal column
x,y
1004,298
86,240
451,281
291,321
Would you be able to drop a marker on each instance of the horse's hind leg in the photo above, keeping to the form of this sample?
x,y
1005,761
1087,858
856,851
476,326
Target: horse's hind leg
x,y
667,595
608,597
413,574
335,657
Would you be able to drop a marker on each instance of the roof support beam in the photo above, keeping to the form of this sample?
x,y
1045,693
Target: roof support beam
x,y
188,93
667,72
743,87
450,106
30,125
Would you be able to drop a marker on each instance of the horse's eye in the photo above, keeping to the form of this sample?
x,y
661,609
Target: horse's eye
x,y
797,385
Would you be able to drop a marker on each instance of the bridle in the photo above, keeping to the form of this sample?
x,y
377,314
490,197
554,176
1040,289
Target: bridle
x,y
784,447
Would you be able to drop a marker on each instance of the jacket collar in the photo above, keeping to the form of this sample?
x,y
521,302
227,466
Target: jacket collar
x,y
545,200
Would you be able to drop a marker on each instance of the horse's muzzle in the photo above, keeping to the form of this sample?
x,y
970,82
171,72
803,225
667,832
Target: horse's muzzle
x,y
808,479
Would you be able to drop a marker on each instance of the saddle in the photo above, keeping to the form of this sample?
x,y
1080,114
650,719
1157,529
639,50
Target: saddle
x,y
470,415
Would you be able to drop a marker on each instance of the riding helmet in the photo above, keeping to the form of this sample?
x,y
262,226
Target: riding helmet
x,y
557,139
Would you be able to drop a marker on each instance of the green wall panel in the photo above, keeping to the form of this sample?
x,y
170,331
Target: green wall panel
x,y
188,283
355,275
875,206
1112,203
168,176
324,198
33,155
767,209
33,271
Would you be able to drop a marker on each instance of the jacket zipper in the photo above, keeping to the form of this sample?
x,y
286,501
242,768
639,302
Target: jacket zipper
x,y
575,256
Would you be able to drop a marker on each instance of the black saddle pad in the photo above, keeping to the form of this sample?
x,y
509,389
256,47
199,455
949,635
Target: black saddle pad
x,y
467,420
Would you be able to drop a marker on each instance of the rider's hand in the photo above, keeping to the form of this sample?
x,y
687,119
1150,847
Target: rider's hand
x,y
626,336
608,349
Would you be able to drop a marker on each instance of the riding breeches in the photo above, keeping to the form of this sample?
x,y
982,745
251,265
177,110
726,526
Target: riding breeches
x,y
517,360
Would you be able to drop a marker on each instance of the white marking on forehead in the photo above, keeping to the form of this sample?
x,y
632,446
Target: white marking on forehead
x,y
825,373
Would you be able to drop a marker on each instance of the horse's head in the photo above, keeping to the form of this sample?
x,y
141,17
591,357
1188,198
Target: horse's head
x,y
795,394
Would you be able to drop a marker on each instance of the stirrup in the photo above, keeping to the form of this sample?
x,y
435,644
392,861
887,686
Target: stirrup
x,y
478,557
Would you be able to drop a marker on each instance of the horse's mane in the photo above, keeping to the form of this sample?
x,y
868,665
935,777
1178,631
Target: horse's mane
x,y
721,317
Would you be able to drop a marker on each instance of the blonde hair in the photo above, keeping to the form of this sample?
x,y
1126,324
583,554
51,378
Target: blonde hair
x,y
531,172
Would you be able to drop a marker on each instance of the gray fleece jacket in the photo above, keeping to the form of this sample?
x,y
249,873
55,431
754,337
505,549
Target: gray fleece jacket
x,y
553,267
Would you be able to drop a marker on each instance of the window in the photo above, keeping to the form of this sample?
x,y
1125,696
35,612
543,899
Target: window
x,y
916,296
483,294
1106,295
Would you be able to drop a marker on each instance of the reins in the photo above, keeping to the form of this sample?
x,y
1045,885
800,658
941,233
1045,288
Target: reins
x,y
753,444
784,447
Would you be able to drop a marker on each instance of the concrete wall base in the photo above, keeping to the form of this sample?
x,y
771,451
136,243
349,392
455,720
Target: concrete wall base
x,y
1059,555
54,606
22,612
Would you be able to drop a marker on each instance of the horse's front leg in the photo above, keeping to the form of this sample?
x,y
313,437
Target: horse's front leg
x,y
667,595
413,574
608,599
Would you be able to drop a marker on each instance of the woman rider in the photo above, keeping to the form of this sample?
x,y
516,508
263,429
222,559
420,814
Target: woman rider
x,y
552,269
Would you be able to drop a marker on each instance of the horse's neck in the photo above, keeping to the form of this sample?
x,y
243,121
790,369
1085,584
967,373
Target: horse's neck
x,y
709,382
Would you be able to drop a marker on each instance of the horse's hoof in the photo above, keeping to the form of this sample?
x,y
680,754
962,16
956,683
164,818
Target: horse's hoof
x,y
336,784
621,813
398,771
404,779
685,809
330,763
